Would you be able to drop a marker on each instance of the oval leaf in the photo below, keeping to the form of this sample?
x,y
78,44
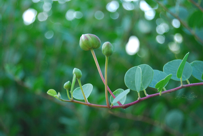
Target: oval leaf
x,y
51,92
87,88
172,68
132,77
181,66
158,76
197,67
116,93
161,84
120,96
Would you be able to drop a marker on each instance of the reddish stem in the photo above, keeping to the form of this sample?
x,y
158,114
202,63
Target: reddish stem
x,y
101,75
137,101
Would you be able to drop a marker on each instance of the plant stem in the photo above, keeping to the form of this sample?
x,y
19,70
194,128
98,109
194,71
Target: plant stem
x,y
101,75
72,86
181,81
137,101
138,93
145,92
68,94
79,82
106,93
188,81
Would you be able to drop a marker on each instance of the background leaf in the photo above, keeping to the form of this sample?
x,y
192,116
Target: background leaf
x,y
197,67
87,88
172,67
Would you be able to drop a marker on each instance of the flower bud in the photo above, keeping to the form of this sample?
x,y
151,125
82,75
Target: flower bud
x,y
89,41
107,49
77,73
67,85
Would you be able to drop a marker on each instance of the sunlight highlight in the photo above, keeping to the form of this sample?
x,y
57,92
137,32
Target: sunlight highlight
x,y
132,47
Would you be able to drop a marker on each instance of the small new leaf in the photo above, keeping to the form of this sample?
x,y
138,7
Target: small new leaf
x,y
181,66
161,84
120,96
51,92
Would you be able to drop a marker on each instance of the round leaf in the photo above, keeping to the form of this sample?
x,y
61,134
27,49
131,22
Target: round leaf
x,y
87,88
197,67
116,93
51,92
121,96
158,76
172,68
131,78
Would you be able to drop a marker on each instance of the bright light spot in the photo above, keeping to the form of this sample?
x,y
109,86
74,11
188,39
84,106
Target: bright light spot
x,y
162,28
70,15
178,38
144,6
160,39
149,12
47,6
114,15
99,15
112,6
128,6
35,1
42,16
176,23
29,16
132,47
78,14
49,34
174,47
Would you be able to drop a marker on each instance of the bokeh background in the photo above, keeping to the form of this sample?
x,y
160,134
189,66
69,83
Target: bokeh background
x,y
39,47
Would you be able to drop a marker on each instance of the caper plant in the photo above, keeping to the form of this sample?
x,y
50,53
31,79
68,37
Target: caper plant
x,y
137,78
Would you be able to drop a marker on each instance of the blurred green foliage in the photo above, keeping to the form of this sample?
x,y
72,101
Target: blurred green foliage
x,y
41,55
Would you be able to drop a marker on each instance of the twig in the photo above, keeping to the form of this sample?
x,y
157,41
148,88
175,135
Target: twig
x,y
137,101
197,5
183,23
147,120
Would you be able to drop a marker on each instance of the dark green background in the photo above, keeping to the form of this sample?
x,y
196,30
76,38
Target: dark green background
x,y
29,59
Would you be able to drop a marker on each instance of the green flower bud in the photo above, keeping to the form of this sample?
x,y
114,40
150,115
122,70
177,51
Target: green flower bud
x,y
107,49
89,41
67,85
77,73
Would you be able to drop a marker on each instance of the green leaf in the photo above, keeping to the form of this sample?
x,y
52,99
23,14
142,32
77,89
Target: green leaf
x,y
132,77
121,96
116,93
161,84
51,92
181,66
172,68
197,67
158,75
87,88
138,78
